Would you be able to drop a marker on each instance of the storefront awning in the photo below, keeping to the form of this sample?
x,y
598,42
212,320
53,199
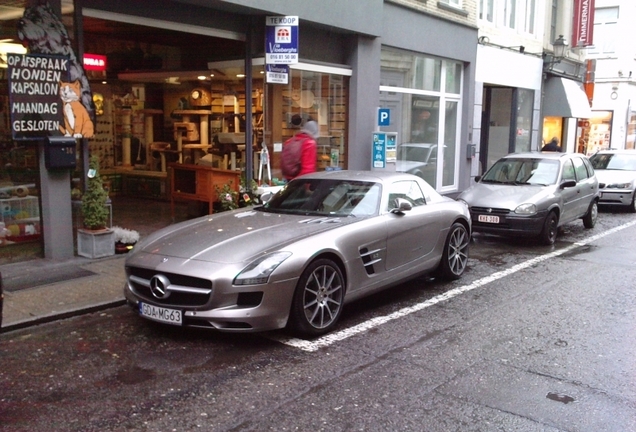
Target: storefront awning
x,y
565,98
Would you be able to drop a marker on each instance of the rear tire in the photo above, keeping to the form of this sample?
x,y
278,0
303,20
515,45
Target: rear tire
x,y
589,220
318,299
455,256
549,233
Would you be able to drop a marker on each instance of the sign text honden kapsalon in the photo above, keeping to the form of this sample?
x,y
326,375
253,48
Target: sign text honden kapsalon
x,y
34,87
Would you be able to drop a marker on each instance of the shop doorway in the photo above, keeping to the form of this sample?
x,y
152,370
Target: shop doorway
x,y
506,123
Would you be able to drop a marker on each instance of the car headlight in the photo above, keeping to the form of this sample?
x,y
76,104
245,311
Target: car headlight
x,y
619,186
526,209
463,202
258,271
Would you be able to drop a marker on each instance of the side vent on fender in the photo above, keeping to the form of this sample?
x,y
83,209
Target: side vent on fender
x,y
369,258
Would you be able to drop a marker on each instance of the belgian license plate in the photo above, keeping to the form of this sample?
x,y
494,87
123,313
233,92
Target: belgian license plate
x,y
488,219
165,315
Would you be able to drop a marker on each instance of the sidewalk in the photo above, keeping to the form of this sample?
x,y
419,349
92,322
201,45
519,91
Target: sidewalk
x,y
42,290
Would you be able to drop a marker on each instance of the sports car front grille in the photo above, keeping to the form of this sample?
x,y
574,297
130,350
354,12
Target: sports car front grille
x,y
183,291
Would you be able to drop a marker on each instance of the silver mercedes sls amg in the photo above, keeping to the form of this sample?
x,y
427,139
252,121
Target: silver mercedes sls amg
x,y
322,241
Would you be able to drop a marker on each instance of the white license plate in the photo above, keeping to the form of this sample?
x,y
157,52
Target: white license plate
x,y
165,315
488,219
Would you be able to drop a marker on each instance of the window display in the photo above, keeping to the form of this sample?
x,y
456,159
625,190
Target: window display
x,y
424,96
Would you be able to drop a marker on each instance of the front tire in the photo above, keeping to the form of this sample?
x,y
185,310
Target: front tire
x,y
589,220
632,205
318,299
455,256
549,233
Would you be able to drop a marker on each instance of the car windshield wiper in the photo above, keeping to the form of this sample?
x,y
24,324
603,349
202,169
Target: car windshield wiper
x,y
492,181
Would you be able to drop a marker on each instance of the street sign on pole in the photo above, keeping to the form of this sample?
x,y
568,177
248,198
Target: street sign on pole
x,y
384,116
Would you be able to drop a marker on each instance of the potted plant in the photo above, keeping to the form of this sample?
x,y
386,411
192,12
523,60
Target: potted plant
x,y
125,239
95,239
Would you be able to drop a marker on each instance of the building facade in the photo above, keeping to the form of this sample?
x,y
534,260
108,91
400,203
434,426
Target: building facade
x,y
524,94
186,82
613,121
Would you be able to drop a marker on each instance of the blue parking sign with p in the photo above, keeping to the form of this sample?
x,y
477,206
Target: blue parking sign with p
x,y
384,116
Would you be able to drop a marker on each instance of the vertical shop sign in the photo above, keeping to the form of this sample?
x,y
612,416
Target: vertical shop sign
x,y
379,146
35,105
583,24
281,40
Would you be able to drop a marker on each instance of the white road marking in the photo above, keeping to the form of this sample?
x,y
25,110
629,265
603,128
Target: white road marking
x,y
332,338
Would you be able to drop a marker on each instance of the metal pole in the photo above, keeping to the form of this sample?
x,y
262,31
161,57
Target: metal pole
x,y
249,166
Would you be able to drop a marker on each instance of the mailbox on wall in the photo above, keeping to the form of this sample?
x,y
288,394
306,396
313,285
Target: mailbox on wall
x,y
60,153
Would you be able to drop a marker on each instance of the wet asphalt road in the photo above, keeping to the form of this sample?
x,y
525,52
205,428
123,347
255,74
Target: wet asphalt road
x,y
532,338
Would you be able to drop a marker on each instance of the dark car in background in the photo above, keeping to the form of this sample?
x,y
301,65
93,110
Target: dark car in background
x,y
533,194
616,173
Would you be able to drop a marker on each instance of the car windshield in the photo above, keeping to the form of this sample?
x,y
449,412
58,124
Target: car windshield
x,y
414,153
523,171
614,161
318,197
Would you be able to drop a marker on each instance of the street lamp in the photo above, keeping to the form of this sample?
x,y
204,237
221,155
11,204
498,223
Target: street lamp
x,y
560,45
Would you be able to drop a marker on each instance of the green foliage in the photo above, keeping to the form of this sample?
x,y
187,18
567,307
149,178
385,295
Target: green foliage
x,y
244,188
94,211
227,197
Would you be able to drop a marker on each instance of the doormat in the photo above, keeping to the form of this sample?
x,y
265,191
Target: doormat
x,y
44,276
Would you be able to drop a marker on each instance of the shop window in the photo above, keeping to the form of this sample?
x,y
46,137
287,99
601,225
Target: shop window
x,y
454,77
450,138
594,134
630,140
424,96
310,95
20,225
427,74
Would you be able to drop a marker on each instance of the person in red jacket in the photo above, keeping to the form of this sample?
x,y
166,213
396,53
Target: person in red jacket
x,y
309,153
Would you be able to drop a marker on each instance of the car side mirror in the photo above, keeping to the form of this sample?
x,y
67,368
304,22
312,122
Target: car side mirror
x,y
601,185
400,205
266,196
567,184
477,178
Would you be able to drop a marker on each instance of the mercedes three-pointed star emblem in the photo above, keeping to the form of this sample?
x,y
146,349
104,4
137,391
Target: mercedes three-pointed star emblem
x,y
159,286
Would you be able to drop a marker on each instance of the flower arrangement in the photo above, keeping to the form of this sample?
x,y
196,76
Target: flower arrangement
x,y
126,236
227,197
124,239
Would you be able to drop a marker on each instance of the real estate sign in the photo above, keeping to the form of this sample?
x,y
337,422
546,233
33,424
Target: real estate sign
x,y
281,40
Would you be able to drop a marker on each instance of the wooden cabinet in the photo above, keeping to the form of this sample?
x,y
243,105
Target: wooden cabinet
x,y
199,183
